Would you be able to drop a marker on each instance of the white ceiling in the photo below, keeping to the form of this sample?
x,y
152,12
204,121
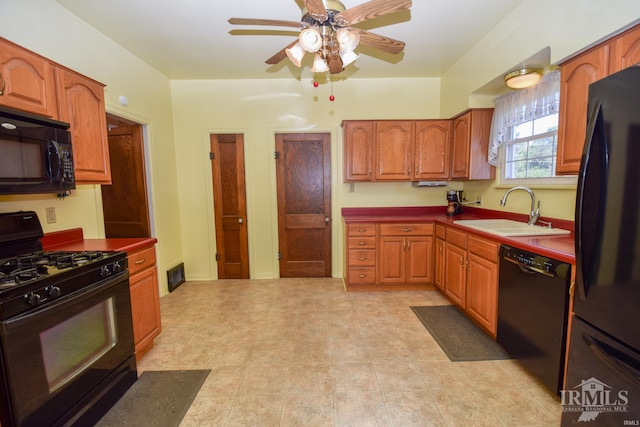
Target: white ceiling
x,y
191,39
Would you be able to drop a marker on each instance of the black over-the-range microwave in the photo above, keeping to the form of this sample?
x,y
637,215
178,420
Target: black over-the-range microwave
x,y
35,154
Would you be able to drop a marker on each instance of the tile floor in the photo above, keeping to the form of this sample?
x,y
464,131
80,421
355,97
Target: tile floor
x,y
302,352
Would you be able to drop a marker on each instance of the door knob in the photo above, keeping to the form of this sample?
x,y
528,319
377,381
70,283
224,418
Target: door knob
x,y
326,219
240,220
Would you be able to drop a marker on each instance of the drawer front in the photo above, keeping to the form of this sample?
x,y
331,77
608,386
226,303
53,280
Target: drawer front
x,y
362,242
364,229
362,276
362,257
441,231
456,237
142,259
421,229
484,248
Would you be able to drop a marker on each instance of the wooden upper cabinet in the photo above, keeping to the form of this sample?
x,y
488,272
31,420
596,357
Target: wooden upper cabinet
x,y
27,81
394,150
431,149
81,103
575,78
358,140
625,50
470,145
577,74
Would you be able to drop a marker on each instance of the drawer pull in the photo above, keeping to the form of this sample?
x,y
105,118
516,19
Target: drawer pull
x,y
361,258
362,230
140,261
407,229
362,243
362,276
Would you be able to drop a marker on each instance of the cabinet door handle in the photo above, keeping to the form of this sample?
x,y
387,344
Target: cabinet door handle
x,y
369,171
467,264
3,85
140,261
408,244
461,262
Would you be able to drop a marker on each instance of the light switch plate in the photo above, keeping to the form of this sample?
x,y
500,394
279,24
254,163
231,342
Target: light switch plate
x,y
51,215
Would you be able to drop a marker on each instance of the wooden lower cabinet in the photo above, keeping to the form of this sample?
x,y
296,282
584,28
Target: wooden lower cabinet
x,y
405,253
482,282
439,257
145,299
455,272
361,254
471,276
394,254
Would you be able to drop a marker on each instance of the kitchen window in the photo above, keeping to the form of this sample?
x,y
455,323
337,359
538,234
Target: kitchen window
x,y
524,134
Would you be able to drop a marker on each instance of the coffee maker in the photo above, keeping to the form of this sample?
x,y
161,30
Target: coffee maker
x,y
454,202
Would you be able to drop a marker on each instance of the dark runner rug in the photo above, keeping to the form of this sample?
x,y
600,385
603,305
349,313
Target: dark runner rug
x,y
158,398
457,335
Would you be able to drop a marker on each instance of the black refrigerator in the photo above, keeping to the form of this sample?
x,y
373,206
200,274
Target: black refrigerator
x,y
603,374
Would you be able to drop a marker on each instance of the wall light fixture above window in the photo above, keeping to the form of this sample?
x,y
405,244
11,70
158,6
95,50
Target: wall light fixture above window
x,y
525,77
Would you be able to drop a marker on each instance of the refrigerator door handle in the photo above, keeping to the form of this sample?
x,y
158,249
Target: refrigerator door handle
x,y
615,359
589,218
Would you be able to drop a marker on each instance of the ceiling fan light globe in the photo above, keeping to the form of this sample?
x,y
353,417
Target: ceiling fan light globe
x,y
319,65
348,57
347,39
310,39
295,54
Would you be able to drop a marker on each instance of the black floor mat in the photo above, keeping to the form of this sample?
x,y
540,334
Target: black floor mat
x,y
458,336
158,398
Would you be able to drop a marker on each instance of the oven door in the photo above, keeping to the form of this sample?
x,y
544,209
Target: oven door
x,y
59,358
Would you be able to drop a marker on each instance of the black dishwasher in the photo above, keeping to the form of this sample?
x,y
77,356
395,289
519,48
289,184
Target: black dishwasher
x,y
533,301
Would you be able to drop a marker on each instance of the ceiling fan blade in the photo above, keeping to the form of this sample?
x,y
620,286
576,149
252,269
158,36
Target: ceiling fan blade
x,y
280,55
369,10
272,22
316,9
377,41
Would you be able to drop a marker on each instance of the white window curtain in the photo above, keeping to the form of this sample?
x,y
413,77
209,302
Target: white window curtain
x,y
521,106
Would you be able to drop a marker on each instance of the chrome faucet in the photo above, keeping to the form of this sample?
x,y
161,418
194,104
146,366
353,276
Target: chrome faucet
x,y
535,213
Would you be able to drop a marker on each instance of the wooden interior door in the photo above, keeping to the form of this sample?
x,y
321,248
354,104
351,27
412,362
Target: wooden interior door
x,y
230,205
303,170
124,202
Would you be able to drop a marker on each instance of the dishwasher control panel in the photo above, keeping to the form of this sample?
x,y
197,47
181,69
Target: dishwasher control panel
x,y
536,262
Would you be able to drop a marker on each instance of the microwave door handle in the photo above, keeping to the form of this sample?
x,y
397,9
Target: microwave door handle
x,y
54,148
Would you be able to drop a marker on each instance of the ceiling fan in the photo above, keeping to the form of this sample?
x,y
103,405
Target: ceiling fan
x,y
326,29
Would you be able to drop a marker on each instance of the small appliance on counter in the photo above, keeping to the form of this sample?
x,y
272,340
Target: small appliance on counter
x,y
454,202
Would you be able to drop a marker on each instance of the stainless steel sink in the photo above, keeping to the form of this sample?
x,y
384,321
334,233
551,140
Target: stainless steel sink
x,y
507,227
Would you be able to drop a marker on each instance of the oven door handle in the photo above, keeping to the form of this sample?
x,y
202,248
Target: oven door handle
x,y
73,298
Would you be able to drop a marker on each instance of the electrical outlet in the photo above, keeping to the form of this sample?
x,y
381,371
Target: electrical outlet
x,y
51,215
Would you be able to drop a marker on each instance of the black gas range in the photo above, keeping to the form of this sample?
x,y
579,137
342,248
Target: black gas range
x,y
65,325
33,279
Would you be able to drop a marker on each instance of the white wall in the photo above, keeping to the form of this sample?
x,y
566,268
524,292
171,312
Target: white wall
x,y
566,27
259,109
45,27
